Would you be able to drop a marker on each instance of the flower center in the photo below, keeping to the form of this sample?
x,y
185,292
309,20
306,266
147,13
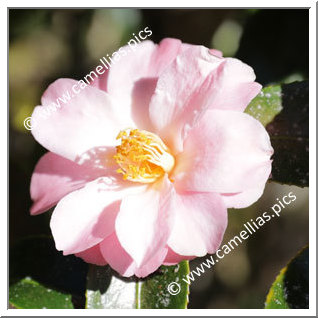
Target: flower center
x,y
142,156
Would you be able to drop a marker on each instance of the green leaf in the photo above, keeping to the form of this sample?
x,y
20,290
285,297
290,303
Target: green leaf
x,y
284,111
154,290
291,287
28,293
276,298
266,105
106,289
40,276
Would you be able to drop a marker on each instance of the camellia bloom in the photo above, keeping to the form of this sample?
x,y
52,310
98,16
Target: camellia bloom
x,y
144,162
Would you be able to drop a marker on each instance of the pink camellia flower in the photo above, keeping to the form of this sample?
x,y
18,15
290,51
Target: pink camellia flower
x,y
143,163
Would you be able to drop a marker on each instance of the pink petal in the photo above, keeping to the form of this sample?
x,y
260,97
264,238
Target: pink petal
x,y
120,260
175,101
86,216
145,60
199,224
141,96
142,225
92,256
132,80
167,50
242,199
173,258
54,177
215,83
116,256
233,88
87,122
100,82
216,52
130,68
226,152
152,264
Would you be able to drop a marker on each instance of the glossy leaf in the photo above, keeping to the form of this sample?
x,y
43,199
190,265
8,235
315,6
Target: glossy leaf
x,y
40,276
284,111
291,287
276,298
28,293
289,133
266,105
106,289
154,290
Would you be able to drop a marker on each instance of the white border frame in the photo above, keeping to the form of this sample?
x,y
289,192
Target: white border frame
x,y
312,161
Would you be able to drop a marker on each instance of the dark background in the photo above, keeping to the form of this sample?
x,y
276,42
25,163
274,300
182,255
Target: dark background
x,y
48,44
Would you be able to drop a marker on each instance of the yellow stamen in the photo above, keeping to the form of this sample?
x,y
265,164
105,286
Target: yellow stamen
x,y
142,156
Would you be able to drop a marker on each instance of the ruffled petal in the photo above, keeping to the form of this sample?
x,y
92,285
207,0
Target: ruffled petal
x,y
152,264
54,177
173,258
116,256
89,120
176,100
215,83
139,68
92,256
243,199
141,96
232,88
200,220
122,262
143,224
226,152
145,60
86,216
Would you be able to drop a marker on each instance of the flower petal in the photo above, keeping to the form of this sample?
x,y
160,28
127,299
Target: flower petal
x,y
243,199
140,67
226,152
216,52
199,224
88,120
141,96
86,216
100,82
92,256
116,256
145,60
152,264
54,177
142,224
215,83
233,87
121,261
175,101
166,51
173,258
